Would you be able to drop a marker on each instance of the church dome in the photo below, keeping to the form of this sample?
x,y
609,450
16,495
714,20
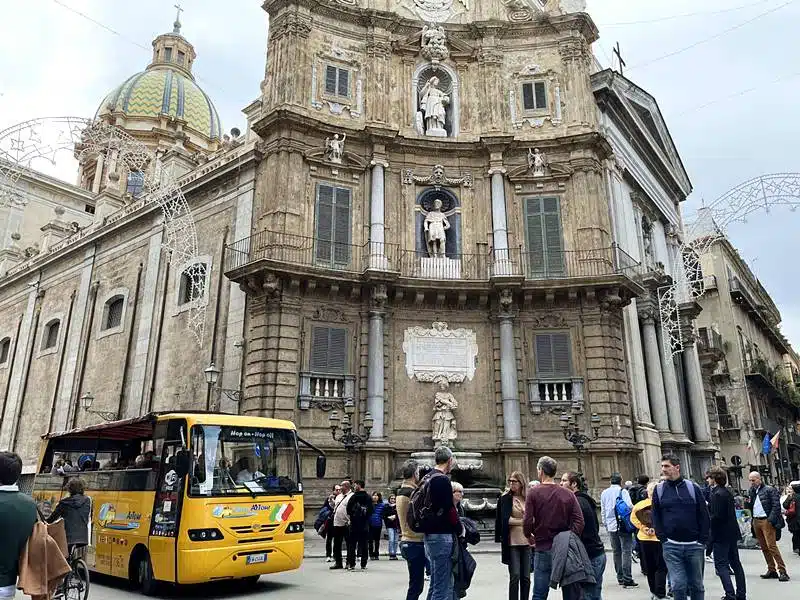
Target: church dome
x,y
164,91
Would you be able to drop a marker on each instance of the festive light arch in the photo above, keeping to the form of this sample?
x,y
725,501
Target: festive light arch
x,y
758,194
24,145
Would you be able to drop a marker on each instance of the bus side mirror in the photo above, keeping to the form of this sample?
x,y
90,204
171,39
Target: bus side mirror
x,y
183,463
322,466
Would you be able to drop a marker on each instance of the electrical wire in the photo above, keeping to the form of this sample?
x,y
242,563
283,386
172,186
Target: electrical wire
x,y
685,15
738,94
710,38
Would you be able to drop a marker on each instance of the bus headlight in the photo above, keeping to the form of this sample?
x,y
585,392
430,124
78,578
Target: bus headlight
x,y
205,535
297,527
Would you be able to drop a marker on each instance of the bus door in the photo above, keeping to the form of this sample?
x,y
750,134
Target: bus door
x,y
167,504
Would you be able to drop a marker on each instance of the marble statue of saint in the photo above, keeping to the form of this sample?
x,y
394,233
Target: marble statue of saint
x,y
432,103
444,420
537,162
334,148
436,224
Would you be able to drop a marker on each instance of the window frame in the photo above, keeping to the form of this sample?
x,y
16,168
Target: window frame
x,y
203,300
332,262
138,184
547,271
554,376
533,82
48,324
311,346
112,295
5,346
337,84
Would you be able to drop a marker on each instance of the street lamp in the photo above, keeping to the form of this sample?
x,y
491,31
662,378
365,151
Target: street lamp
x,y
86,402
342,431
572,433
212,373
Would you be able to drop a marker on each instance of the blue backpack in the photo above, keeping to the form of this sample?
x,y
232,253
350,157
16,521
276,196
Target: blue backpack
x,y
623,513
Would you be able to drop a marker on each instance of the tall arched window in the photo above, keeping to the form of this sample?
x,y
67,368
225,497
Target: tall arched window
x,y
112,312
193,283
5,350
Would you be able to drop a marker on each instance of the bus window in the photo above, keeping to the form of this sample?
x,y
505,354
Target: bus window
x,y
243,460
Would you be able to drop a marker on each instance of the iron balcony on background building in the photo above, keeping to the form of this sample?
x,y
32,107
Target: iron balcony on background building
x,y
759,374
728,422
283,251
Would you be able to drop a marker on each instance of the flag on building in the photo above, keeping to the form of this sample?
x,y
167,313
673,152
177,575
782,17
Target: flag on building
x,y
775,441
766,446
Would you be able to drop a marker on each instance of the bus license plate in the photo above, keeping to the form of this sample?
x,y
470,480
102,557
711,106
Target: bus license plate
x,y
253,559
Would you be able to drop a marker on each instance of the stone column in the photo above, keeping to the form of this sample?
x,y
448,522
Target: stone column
x,y
697,397
377,251
502,264
509,388
671,389
375,362
655,378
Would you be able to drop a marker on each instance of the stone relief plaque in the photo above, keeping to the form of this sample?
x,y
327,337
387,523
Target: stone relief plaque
x,y
440,353
435,11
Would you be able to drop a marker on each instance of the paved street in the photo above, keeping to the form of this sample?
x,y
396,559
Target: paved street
x,y
386,580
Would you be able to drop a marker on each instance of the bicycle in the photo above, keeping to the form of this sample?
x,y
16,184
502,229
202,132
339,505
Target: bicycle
x,y
76,583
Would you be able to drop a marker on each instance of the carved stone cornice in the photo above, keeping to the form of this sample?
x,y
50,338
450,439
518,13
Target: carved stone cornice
x,y
437,178
290,23
575,50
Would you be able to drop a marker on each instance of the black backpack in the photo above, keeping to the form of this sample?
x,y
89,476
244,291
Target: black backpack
x,y
420,506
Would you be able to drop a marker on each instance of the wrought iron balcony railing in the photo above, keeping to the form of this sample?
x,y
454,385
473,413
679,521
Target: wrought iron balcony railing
x,y
728,422
326,255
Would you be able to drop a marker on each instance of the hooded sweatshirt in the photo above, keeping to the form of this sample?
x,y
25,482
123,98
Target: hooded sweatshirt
x,y
76,512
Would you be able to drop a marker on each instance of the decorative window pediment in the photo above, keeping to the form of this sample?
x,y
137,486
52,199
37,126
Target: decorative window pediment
x,y
337,84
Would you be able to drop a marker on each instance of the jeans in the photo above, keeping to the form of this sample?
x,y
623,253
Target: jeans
x,y
652,557
595,592
622,543
726,557
357,542
685,563
339,534
375,541
329,542
393,535
414,555
541,574
519,572
439,548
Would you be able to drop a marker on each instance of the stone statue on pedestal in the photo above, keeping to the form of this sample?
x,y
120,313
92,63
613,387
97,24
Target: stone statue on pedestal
x,y
436,224
432,102
444,420
334,148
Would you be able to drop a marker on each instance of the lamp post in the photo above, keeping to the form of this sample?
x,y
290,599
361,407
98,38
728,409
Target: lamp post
x,y
212,373
342,432
573,434
86,402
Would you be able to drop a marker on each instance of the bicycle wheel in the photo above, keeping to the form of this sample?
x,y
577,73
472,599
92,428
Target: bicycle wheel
x,y
76,584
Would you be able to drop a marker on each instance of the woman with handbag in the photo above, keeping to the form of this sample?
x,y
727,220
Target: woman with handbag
x,y
324,526
514,546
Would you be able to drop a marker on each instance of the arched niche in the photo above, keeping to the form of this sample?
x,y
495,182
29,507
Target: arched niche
x,y
449,84
451,207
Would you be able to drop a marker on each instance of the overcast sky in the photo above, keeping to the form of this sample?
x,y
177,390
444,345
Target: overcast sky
x,y
55,62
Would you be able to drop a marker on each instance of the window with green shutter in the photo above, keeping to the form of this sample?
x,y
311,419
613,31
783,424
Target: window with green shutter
x,y
545,247
553,355
333,226
328,350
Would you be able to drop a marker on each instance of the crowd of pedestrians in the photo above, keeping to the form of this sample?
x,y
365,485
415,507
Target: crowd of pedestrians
x,y
548,530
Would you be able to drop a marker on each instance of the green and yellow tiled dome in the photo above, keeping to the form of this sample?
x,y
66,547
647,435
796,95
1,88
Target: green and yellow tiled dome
x,y
164,91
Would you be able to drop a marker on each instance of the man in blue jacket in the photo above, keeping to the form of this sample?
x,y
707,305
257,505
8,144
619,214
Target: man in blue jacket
x,y
681,521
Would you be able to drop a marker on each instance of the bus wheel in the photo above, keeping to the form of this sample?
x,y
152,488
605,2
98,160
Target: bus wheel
x,y
144,575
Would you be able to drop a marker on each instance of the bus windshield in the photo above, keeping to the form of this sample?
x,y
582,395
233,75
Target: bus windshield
x,y
231,461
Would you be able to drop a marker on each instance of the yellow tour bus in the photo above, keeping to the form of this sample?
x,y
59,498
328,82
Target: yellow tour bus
x,y
184,497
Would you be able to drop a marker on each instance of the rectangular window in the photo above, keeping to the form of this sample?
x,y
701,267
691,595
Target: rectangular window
x,y
545,243
553,356
329,350
88,208
337,81
722,405
534,95
333,226
181,57
168,54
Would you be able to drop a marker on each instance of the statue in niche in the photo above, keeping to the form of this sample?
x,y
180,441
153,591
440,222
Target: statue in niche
x,y
537,162
647,239
444,419
436,224
334,148
432,102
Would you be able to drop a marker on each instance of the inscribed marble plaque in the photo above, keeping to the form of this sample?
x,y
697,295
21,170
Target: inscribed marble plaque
x,y
440,353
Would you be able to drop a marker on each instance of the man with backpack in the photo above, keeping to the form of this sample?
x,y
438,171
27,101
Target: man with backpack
x,y
681,523
412,548
433,513
359,510
616,507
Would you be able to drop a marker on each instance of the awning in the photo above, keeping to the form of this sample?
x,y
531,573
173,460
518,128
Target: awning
x,y
126,429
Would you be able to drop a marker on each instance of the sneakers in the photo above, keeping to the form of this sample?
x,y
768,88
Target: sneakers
x,y
329,559
783,577
770,575
336,567
629,584
364,568
392,558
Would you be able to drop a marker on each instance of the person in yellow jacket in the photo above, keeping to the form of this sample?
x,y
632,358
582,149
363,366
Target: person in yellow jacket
x,y
652,555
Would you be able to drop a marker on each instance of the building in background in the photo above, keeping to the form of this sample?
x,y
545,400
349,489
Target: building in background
x,y
756,374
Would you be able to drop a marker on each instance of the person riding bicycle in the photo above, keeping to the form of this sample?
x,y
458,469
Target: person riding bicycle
x,y
75,509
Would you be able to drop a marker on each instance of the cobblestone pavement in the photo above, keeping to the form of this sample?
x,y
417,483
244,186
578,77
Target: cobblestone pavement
x,y
386,580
